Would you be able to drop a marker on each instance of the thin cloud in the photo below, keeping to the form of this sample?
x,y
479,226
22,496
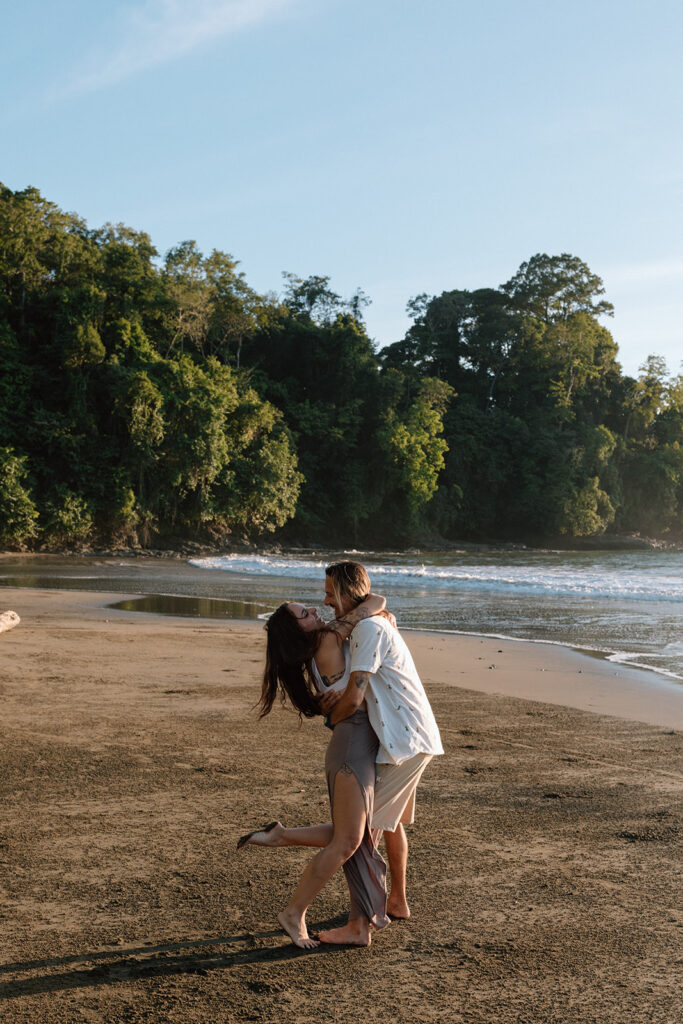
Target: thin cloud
x,y
159,31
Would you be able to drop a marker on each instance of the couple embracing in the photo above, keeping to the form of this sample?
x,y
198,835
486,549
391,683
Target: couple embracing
x,y
358,671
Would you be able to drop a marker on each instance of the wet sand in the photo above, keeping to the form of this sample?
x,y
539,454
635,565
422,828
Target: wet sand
x,y
545,860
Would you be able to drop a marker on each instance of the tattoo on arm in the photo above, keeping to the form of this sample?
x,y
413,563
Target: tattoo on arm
x,y
356,614
344,626
329,680
352,698
361,681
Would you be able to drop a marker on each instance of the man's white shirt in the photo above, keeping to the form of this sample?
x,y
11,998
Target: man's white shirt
x,y
398,708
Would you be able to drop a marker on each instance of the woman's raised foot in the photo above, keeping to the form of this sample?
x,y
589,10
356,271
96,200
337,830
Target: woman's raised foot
x,y
268,836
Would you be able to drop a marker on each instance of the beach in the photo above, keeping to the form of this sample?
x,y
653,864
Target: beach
x,y
544,873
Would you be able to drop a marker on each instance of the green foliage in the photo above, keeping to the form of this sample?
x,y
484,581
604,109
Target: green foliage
x,y
533,434
416,448
587,511
18,513
67,519
147,402
650,457
265,468
120,391
324,377
553,288
85,348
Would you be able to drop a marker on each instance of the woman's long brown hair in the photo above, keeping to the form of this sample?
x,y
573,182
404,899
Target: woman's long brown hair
x,y
289,653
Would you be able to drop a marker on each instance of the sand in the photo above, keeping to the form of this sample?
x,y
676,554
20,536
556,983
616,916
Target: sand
x,y
545,866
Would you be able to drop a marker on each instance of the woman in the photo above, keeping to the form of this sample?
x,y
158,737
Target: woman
x,y
303,658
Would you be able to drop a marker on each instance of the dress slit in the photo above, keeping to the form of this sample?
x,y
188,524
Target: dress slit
x,y
352,749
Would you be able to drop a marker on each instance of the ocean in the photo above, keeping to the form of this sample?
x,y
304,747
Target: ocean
x,y
626,606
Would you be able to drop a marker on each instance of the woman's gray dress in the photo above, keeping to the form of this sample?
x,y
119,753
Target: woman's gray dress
x,y
352,749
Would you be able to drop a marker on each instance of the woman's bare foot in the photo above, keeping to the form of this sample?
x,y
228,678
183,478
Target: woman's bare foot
x,y
269,836
295,926
355,933
398,908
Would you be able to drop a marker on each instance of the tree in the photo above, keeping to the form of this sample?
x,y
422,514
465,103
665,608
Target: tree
x,y
324,376
650,456
260,487
236,311
67,519
124,422
84,348
18,514
646,397
416,449
147,403
553,288
189,305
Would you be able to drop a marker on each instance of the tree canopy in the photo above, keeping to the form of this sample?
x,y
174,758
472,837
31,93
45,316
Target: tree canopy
x,y
147,400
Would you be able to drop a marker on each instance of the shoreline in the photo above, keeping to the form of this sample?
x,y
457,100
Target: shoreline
x,y
543,671
193,549
142,575
610,654
602,653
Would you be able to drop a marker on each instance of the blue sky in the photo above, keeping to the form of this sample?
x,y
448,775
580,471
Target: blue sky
x,y
400,147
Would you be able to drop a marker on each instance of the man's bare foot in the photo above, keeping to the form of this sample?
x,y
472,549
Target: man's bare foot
x,y
355,933
295,926
398,908
269,836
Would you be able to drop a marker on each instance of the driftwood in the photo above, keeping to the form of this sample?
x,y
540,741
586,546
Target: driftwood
x,y
8,620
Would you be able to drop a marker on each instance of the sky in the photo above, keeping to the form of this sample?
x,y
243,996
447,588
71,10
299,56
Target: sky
x,y
398,146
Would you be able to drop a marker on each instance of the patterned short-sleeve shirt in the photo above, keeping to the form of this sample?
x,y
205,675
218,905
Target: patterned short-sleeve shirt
x,y
398,707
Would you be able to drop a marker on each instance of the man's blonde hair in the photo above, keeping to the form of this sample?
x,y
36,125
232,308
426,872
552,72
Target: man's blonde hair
x,y
349,579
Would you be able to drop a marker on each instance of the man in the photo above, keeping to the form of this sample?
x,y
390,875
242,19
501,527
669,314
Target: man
x,y
384,675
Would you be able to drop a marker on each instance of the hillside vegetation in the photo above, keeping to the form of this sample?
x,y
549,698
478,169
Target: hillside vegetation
x,y
147,401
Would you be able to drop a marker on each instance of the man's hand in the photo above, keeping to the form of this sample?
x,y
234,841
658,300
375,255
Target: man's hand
x,y
389,617
329,700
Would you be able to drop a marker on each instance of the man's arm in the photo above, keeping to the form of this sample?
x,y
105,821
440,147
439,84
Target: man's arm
x,y
340,706
343,627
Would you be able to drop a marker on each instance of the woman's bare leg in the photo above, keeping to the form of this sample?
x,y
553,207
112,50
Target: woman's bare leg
x,y
356,931
310,835
349,827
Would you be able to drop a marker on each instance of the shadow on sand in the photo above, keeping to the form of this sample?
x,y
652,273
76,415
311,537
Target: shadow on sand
x,y
196,956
